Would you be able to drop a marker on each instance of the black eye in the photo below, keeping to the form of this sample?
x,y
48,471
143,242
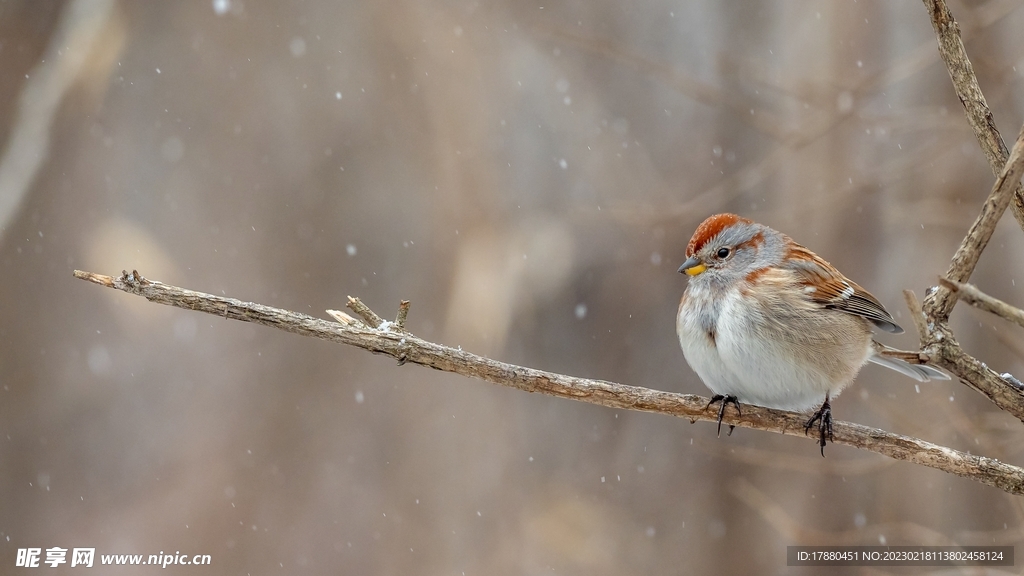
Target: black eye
x,y
723,253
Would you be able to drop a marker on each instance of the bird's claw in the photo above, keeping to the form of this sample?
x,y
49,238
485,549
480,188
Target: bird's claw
x,y
824,419
725,400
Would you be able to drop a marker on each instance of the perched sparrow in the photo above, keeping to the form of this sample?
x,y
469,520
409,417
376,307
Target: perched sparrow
x,y
766,321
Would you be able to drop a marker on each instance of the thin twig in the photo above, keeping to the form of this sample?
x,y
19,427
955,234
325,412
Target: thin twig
x,y
965,82
939,303
905,355
342,317
364,312
969,293
403,313
916,314
406,347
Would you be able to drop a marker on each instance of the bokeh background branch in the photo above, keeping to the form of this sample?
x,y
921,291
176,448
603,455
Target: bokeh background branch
x,y
28,141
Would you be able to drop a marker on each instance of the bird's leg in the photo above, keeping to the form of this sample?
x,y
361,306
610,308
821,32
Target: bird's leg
x,y
725,400
824,419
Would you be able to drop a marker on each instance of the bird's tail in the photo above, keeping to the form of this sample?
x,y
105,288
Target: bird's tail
x,y
919,372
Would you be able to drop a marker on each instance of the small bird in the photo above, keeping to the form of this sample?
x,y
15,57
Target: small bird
x,y
766,321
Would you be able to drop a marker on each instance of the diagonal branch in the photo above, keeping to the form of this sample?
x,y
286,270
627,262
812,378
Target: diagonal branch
x,y
364,312
970,294
939,347
951,48
938,344
937,341
405,347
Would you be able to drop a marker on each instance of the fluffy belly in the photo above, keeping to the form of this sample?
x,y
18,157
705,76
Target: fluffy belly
x,y
764,360
776,385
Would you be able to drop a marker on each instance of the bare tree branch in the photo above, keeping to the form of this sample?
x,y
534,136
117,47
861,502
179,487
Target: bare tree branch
x,y
1002,389
405,347
916,313
403,313
969,293
951,48
363,311
907,356
938,345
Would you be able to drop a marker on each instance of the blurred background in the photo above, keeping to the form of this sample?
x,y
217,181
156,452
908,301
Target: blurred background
x,y
528,176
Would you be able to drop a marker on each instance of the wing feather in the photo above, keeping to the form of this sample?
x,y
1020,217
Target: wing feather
x,y
827,287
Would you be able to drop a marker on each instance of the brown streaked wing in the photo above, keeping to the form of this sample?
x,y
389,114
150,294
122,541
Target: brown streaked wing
x,y
833,290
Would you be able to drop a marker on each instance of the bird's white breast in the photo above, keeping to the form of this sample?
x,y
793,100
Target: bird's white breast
x,y
697,327
738,349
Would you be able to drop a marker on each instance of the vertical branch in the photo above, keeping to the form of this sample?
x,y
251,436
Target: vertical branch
x,y
403,313
28,140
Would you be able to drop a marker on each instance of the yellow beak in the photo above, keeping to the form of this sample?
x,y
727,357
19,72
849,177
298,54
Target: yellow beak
x,y
693,266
